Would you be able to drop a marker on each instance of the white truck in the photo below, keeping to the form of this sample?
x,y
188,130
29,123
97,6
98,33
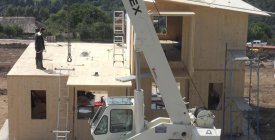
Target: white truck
x,y
256,43
123,117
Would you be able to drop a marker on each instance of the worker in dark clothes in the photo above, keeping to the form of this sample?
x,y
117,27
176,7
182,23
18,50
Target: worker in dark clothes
x,y
39,48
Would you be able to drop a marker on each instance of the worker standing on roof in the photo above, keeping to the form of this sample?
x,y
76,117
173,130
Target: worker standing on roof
x,y
39,48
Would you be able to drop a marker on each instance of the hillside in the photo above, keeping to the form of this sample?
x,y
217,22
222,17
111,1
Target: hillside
x,y
266,5
86,25
88,20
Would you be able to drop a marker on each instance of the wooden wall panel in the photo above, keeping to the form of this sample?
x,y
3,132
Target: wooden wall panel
x,y
202,79
21,125
215,28
212,29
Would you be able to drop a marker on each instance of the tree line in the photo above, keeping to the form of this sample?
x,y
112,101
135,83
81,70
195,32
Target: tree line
x,y
91,20
10,31
86,20
258,30
262,27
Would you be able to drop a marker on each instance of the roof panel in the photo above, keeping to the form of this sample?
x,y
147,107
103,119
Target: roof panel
x,y
88,58
233,5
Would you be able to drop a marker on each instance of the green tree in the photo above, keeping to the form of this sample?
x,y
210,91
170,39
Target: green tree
x,y
88,21
28,11
43,14
1,28
103,31
11,11
10,31
85,32
259,31
85,13
19,30
20,11
57,23
29,2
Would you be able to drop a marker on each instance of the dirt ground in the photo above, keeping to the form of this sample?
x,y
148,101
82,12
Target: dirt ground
x,y
266,98
9,55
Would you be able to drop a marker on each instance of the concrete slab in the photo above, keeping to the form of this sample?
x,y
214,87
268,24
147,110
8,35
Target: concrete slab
x,y
4,132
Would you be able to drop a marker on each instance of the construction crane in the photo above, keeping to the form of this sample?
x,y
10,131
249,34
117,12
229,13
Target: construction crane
x,y
123,117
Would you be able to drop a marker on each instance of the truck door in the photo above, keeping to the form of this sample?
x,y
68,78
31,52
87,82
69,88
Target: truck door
x,y
113,124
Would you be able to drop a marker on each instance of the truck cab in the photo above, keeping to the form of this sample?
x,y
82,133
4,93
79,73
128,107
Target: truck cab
x,y
114,119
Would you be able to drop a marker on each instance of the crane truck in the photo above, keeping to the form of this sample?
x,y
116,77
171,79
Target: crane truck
x,y
122,118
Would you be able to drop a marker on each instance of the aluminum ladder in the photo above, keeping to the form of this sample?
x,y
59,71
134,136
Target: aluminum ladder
x,y
62,126
118,39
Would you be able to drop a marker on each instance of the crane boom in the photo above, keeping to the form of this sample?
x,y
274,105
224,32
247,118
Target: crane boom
x,y
148,42
114,120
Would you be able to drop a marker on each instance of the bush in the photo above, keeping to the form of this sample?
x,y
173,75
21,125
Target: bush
x,y
103,31
10,31
13,31
3,36
98,31
19,31
1,28
87,23
259,31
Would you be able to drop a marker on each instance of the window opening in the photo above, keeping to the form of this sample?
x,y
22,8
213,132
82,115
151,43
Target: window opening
x,y
85,104
214,94
38,104
160,24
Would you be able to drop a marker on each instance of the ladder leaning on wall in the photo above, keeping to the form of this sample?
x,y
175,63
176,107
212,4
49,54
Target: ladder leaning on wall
x,y
62,126
118,39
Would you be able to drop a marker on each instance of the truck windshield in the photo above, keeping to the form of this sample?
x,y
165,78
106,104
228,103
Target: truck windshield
x,y
97,116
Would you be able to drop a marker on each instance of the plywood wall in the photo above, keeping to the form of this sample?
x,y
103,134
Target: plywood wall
x,y
22,127
213,29
204,37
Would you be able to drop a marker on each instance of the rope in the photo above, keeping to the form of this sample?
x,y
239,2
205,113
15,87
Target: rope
x,y
156,7
158,13
69,57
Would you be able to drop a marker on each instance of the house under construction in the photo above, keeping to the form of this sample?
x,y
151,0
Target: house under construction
x,y
194,35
